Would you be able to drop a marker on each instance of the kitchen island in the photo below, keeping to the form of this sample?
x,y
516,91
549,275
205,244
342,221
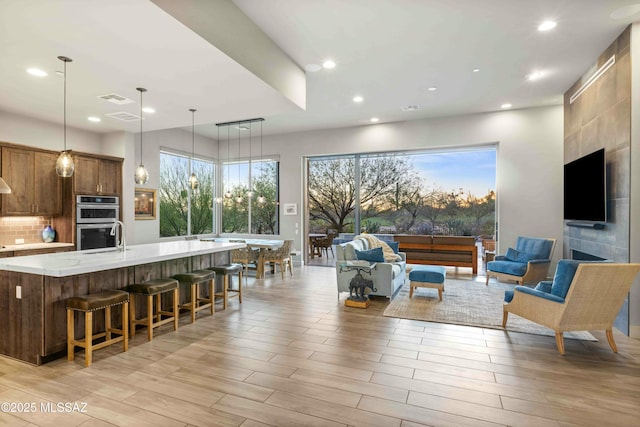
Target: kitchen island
x,y
33,289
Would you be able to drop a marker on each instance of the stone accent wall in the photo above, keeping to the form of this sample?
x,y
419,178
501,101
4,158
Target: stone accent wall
x,y
601,117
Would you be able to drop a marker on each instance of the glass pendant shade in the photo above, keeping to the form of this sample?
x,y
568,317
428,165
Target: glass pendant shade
x,y
64,162
262,199
239,199
193,182
218,199
249,194
141,176
65,165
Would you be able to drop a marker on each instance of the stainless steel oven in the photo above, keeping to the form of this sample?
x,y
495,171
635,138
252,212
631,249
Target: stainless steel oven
x,y
95,217
94,209
96,236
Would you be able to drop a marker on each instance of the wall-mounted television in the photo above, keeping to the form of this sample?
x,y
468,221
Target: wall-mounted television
x,y
585,197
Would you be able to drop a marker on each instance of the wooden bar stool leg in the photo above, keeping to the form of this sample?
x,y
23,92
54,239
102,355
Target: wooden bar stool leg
x,y
158,307
70,334
176,310
240,286
107,322
194,296
125,326
132,314
88,339
150,317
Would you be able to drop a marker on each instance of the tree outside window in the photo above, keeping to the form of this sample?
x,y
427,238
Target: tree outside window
x,y
180,206
241,213
406,193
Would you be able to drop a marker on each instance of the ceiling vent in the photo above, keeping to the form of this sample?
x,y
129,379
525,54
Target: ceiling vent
x,y
114,98
124,116
410,108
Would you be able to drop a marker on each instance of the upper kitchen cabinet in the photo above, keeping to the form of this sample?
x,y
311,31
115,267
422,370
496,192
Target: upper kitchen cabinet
x,y
95,175
36,189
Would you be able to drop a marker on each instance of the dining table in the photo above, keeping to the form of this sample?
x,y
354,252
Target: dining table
x,y
262,245
312,247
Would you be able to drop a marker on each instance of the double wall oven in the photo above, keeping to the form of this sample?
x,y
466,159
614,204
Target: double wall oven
x,y
95,216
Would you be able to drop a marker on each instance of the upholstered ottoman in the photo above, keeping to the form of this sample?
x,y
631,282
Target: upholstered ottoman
x,y
427,276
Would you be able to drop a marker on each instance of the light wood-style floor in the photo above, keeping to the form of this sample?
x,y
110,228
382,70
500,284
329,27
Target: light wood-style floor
x,y
293,355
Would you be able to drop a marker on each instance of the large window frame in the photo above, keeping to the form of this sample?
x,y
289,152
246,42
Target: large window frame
x,y
184,196
249,171
362,204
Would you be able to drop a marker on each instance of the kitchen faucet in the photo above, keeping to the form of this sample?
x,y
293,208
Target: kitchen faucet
x,y
122,245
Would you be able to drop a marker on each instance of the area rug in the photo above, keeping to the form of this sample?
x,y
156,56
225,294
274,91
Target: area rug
x,y
466,302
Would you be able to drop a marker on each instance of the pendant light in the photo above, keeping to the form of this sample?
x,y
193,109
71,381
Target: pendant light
x,y
239,196
261,199
228,194
141,175
218,199
250,191
193,181
64,163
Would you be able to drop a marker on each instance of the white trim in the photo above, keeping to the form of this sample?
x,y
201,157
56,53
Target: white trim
x,y
610,62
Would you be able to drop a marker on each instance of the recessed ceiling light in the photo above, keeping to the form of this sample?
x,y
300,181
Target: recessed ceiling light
x,y
547,25
37,72
475,70
374,120
312,68
506,105
625,12
432,89
94,119
328,64
149,110
536,75
358,98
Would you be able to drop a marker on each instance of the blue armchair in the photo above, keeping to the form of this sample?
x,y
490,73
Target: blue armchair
x,y
527,263
583,296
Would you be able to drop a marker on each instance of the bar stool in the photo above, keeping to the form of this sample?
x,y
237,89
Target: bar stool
x,y
193,279
151,288
226,270
88,304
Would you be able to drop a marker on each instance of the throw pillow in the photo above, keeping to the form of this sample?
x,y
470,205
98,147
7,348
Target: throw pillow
x,y
394,245
518,256
372,255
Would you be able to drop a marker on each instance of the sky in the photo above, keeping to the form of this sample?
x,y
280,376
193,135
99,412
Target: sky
x,y
473,171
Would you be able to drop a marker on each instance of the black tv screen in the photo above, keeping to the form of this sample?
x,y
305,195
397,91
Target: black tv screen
x,y
585,188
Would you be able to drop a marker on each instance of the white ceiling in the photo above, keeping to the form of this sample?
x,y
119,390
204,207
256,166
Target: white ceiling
x,y
388,51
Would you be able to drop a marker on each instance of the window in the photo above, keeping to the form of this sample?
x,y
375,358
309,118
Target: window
x,y
428,192
184,211
241,213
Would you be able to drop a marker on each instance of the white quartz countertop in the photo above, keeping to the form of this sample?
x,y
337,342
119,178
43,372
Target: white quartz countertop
x,y
64,264
31,246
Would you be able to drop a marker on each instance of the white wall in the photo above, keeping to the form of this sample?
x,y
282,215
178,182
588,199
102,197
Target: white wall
x,y
634,226
23,130
530,163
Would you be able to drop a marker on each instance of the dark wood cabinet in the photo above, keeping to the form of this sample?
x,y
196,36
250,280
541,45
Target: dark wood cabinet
x,y
35,187
97,176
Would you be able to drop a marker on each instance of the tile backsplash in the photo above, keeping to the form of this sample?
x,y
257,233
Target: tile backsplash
x,y
27,228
